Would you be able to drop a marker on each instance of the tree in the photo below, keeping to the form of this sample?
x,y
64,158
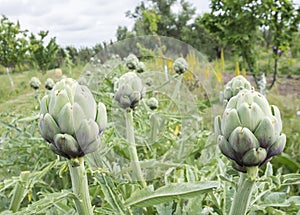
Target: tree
x,y
13,45
44,56
238,22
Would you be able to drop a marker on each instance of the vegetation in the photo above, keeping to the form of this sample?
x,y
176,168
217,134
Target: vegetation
x,y
136,136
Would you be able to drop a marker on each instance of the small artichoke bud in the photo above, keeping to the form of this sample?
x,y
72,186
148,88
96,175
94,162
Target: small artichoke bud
x,y
129,90
180,65
132,62
70,120
35,83
235,85
140,67
49,84
152,103
249,132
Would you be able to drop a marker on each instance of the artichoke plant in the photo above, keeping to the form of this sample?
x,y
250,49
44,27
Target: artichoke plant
x,y
129,90
140,67
35,83
132,62
180,65
49,84
70,120
235,85
249,132
152,103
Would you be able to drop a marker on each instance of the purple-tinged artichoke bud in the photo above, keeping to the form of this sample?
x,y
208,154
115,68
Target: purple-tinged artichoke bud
x,y
180,65
49,84
129,90
234,86
152,103
35,83
132,62
249,132
70,120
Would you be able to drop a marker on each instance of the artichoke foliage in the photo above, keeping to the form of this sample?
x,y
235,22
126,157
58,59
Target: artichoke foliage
x,y
249,132
129,90
180,65
234,86
70,120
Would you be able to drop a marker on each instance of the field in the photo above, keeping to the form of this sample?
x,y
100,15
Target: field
x,y
182,169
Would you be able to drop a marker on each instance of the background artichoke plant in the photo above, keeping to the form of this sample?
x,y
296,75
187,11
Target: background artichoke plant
x,y
49,84
129,90
132,62
249,132
70,120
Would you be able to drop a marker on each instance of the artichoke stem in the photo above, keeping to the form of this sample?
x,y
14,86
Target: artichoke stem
x,y
135,164
19,192
243,192
80,186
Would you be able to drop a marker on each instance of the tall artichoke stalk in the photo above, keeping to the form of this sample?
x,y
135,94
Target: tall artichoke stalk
x,y
129,91
71,122
249,134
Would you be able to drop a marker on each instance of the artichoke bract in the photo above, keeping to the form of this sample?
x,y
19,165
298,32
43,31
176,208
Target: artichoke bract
x,y
234,86
70,120
129,90
35,83
180,65
249,132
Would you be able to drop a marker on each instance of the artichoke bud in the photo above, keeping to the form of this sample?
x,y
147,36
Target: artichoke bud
x,y
140,67
235,85
34,83
48,127
132,61
180,65
67,145
49,84
152,103
70,119
254,157
129,90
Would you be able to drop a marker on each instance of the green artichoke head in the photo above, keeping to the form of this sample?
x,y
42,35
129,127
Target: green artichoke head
x,y
235,85
152,103
249,132
140,67
70,120
129,90
35,83
180,65
132,62
49,84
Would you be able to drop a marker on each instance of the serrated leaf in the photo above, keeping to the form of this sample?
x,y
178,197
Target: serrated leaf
x,y
146,197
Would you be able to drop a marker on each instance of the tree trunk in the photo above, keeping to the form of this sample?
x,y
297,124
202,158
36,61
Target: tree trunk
x,y
274,73
10,78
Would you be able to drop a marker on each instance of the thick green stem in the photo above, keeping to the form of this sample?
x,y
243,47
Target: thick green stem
x,y
243,192
135,164
19,192
80,186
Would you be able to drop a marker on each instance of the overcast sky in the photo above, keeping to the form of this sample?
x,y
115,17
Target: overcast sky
x,y
77,22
